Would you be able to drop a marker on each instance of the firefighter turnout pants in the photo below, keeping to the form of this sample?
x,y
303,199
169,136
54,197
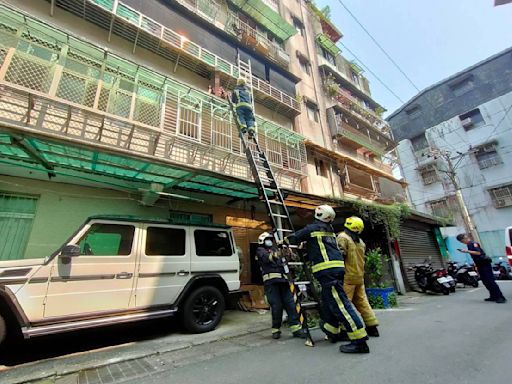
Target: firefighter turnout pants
x,y
280,297
245,118
338,313
357,295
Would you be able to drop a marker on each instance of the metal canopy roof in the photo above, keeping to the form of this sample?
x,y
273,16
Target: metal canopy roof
x,y
64,156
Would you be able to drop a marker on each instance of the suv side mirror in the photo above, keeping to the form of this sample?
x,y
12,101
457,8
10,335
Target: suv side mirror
x,y
70,250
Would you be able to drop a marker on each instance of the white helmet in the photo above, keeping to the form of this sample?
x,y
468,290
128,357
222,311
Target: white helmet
x,y
263,237
325,213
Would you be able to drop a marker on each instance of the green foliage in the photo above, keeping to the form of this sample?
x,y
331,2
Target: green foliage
x,y
326,11
376,302
379,111
393,302
374,259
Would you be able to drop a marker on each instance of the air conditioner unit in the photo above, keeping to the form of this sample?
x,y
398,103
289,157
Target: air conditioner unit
x,y
467,122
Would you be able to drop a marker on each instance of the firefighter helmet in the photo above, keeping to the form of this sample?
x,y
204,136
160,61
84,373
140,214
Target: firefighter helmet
x,y
263,237
325,213
355,224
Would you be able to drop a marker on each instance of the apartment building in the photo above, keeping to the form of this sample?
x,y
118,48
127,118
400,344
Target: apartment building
x,y
469,116
118,107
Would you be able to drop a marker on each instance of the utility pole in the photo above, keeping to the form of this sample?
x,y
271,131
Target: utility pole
x,y
452,175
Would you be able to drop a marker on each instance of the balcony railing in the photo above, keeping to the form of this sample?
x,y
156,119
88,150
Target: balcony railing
x,y
340,67
344,130
228,21
148,33
53,87
365,160
353,106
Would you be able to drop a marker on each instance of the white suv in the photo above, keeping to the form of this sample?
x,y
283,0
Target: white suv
x,y
121,269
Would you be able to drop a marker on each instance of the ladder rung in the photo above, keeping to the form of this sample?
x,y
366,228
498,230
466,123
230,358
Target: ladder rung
x,y
295,263
279,215
275,202
309,305
302,282
284,230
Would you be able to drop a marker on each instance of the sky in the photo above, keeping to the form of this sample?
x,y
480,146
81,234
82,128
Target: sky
x,y
429,39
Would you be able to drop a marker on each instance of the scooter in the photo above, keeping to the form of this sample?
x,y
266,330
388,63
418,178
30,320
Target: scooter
x,y
429,279
501,271
464,274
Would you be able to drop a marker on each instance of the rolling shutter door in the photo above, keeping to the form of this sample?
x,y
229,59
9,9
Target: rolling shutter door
x,y
417,244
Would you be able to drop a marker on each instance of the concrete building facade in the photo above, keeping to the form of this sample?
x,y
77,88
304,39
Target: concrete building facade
x,y
119,107
469,115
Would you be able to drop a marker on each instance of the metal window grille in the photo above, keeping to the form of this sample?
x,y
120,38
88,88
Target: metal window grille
x,y
502,196
221,128
274,151
189,117
429,175
487,156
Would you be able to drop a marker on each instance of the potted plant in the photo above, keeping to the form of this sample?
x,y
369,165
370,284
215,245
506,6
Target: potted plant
x,y
380,294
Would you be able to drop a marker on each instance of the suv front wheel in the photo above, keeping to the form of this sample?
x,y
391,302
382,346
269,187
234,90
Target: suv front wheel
x,y
3,330
203,309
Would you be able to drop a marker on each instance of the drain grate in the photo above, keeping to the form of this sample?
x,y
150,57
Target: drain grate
x,y
116,372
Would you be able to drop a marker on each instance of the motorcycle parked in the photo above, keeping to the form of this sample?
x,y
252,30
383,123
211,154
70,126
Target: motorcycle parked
x,y
429,279
463,274
501,271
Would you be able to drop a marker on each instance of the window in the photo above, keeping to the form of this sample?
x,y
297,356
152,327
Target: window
x,y
162,241
487,156
501,196
462,86
413,111
304,65
472,119
107,240
17,213
429,174
189,117
328,56
355,77
321,169
312,110
419,143
212,243
440,208
298,26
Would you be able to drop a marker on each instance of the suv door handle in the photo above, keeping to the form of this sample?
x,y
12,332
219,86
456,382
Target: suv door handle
x,y
124,275
183,273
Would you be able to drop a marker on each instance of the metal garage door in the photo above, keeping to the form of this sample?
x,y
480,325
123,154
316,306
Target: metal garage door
x,y
417,243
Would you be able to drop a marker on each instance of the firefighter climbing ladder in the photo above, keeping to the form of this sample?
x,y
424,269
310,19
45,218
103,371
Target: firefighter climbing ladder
x,y
271,195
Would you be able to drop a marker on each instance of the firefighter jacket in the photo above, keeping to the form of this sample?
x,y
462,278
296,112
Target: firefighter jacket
x,y
271,265
241,97
322,249
354,249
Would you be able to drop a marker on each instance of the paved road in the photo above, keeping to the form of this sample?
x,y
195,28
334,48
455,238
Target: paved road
x,y
436,339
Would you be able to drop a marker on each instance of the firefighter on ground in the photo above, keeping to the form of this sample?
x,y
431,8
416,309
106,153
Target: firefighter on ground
x,y
277,287
350,242
242,100
328,268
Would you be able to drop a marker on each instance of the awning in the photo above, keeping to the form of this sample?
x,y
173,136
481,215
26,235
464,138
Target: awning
x,y
57,159
267,17
327,44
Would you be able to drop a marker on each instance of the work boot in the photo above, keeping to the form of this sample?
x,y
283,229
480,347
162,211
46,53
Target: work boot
x,y
299,334
501,300
342,336
276,335
251,134
358,346
372,331
490,299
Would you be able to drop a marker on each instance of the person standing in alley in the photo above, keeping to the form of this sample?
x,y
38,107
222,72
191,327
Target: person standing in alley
x,y
242,100
484,266
328,268
277,287
354,247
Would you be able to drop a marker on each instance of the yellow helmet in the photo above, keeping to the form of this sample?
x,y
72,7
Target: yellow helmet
x,y
355,224
240,81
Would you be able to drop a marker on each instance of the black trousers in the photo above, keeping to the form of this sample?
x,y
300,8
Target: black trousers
x,y
280,297
487,277
337,310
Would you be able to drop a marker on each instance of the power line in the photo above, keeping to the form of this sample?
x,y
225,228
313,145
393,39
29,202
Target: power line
x,y
380,46
373,73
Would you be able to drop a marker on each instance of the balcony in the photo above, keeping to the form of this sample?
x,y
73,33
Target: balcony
x,y
359,183
229,22
56,86
354,107
145,32
365,161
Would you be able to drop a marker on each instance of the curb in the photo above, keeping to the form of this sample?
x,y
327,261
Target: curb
x,y
54,368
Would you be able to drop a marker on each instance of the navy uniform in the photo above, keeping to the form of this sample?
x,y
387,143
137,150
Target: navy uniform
x,y
277,287
484,265
241,98
328,268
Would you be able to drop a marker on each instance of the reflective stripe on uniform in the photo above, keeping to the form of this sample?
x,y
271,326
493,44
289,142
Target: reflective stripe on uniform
x,y
274,275
243,104
328,264
275,330
357,335
321,245
331,328
295,328
341,306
